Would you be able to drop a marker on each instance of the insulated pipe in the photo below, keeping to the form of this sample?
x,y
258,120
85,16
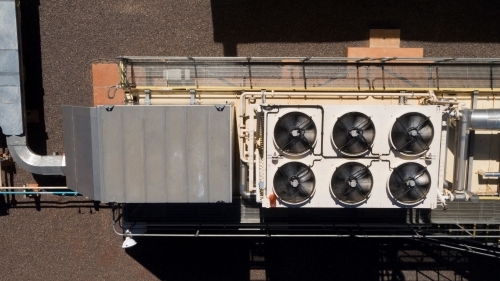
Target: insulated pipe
x,y
38,187
34,163
243,181
461,144
488,174
484,119
331,94
39,192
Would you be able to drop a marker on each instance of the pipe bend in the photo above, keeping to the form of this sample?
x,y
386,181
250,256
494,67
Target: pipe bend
x,y
34,163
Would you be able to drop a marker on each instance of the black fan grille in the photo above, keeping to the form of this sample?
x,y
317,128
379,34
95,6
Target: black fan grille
x,y
412,133
409,183
295,133
353,133
352,183
294,182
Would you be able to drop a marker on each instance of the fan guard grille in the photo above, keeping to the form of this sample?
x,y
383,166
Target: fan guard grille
x,y
412,133
409,183
295,133
294,183
352,183
353,133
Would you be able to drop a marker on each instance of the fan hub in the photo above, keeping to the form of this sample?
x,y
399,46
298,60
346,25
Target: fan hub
x,y
294,182
354,133
413,132
352,183
296,132
410,183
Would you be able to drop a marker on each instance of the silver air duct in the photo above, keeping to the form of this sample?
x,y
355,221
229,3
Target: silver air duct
x,y
484,119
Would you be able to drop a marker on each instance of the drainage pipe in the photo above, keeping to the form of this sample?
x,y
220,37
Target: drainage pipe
x,y
243,181
461,142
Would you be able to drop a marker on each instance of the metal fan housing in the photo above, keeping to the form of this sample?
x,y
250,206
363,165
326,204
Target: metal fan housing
x,y
294,183
353,133
412,134
409,183
352,183
295,133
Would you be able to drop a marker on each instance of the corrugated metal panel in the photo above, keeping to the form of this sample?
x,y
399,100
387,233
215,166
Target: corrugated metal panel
x,y
150,154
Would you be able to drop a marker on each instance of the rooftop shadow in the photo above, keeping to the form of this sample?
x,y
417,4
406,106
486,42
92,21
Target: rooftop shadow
x,y
254,21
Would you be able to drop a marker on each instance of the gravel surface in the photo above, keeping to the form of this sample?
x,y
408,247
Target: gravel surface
x,y
62,37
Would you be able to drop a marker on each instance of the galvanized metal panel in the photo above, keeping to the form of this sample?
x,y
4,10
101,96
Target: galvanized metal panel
x,y
80,145
133,154
111,154
218,148
11,119
83,152
154,161
150,154
69,146
197,153
8,25
175,154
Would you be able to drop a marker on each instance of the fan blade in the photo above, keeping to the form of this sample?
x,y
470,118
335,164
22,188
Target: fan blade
x,y
369,135
310,136
426,133
286,123
360,122
305,189
422,123
423,181
303,121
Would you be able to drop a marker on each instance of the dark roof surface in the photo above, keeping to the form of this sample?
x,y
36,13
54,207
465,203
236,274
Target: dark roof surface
x,y
62,38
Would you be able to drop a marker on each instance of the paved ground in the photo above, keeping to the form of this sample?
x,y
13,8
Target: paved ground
x,y
62,37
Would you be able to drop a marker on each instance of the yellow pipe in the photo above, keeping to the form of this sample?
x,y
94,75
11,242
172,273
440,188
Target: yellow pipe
x,y
489,198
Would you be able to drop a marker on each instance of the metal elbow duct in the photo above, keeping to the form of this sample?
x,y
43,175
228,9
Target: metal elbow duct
x,y
34,163
484,119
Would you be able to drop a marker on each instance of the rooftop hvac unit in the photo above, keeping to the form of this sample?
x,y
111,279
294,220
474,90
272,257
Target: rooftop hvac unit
x,y
360,157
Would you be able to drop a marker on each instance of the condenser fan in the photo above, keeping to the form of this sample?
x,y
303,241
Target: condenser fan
x,y
353,133
409,183
352,183
294,182
295,133
412,133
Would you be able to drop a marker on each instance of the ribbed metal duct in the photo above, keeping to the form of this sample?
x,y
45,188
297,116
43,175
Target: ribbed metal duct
x,y
484,119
